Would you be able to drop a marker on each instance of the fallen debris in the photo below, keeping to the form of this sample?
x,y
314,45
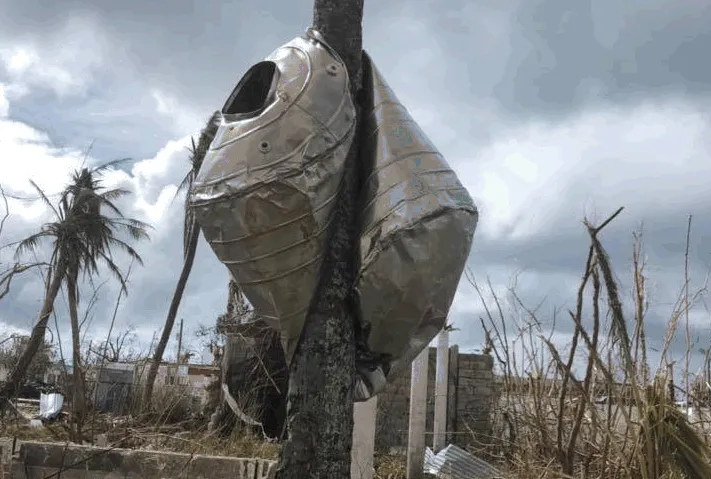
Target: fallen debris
x,y
453,462
50,405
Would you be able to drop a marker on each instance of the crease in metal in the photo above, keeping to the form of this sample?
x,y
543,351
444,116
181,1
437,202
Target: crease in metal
x,y
264,198
266,191
455,463
417,224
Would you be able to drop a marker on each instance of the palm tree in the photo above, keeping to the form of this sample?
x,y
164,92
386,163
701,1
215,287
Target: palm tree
x,y
83,237
191,235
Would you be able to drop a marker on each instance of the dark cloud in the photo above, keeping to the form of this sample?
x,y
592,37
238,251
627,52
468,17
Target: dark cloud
x,y
113,134
575,53
469,72
494,62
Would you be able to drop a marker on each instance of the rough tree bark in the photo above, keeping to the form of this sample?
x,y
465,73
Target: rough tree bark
x,y
191,237
322,372
78,386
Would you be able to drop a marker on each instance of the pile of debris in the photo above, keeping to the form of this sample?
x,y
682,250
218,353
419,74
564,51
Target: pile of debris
x,y
37,403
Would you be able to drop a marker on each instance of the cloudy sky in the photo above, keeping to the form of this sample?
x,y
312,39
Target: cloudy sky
x,y
549,111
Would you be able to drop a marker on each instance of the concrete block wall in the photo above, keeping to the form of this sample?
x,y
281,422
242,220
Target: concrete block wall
x,y
42,460
470,392
474,398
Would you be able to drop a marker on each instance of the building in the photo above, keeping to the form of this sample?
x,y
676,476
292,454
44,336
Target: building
x,y
116,383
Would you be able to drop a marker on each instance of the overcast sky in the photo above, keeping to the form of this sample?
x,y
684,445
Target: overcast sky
x,y
549,111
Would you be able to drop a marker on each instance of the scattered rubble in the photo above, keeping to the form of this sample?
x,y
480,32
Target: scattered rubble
x,y
453,462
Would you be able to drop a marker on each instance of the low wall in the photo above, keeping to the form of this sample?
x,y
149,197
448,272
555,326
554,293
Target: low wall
x,y
51,460
470,392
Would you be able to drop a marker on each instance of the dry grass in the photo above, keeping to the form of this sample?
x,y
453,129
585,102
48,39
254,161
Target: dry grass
x,y
547,422
175,423
134,434
390,467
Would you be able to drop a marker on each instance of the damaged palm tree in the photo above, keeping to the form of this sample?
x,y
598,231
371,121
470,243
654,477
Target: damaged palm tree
x,y
86,229
191,237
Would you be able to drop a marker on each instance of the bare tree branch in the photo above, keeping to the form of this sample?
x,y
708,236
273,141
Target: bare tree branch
x,y
7,276
7,209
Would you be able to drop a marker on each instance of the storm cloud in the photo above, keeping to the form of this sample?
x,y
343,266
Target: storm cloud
x,y
549,111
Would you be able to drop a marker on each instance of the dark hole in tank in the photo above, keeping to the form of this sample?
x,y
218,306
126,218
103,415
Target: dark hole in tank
x,y
253,91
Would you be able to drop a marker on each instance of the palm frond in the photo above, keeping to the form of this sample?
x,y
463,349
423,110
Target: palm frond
x,y
30,244
198,152
83,235
114,194
101,169
128,249
136,229
667,429
114,269
44,198
86,154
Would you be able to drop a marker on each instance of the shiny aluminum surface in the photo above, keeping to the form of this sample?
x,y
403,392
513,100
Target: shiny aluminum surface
x,y
266,190
417,225
455,463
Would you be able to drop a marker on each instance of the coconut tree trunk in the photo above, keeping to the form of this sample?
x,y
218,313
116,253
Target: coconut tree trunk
x,y
78,386
12,386
322,371
172,313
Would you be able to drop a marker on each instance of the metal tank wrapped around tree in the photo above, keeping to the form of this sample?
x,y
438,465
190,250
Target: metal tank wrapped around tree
x,y
417,225
265,193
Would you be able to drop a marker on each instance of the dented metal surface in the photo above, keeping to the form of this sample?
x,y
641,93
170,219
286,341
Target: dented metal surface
x,y
266,190
455,463
265,194
417,225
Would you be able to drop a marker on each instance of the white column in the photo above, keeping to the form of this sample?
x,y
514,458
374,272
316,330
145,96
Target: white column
x,y
418,416
364,414
441,382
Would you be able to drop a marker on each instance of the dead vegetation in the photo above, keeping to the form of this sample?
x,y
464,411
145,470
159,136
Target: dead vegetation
x,y
596,408
176,423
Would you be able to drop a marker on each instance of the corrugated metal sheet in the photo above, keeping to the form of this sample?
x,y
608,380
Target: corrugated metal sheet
x,y
453,462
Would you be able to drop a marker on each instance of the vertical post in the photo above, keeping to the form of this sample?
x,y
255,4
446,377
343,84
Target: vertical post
x,y
670,382
418,416
441,383
453,387
180,342
177,359
364,414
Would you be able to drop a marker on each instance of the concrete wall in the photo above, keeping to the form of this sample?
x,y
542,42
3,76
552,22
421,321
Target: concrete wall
x,y
41,460
470,392
119,382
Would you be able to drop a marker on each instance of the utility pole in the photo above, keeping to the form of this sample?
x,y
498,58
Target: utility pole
x,y
180,347
180,342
